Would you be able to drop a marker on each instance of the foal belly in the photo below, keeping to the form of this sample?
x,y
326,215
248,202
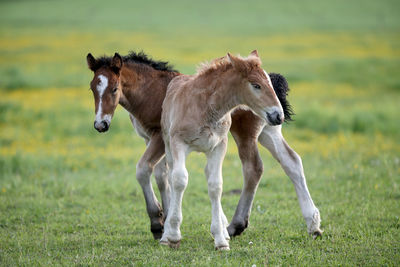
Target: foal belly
x,y
204,144
207,138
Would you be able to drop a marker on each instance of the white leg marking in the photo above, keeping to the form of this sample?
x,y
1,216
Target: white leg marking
x,y
167,227
161,175
214,178
272,139
179,180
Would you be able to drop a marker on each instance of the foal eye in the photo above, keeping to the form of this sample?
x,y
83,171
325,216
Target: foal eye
x,y
256,86
115,90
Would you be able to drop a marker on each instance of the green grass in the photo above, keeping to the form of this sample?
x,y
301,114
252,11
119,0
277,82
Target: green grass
x,y
68,195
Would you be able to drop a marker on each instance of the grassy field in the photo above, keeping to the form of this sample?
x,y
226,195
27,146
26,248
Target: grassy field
x,y
68,195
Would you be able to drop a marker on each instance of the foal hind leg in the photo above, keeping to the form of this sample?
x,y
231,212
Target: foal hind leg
x,y
161,175
213,172
252,168
272,139
154,152
245,129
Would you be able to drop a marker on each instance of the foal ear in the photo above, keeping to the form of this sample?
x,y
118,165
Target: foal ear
x,y
236,62
233,60
254,53
116,63
230,58
91,61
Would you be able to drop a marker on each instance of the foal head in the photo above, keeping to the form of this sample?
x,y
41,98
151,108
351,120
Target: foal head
x,y
105,87
256,89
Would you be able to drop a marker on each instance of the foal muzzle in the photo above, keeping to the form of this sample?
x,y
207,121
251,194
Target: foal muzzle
x,y
274,118
101,126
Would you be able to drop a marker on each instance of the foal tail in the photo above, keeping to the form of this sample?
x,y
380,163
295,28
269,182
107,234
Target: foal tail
x,y
281,88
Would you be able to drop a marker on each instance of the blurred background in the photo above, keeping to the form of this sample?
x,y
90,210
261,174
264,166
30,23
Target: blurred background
x,y
342,62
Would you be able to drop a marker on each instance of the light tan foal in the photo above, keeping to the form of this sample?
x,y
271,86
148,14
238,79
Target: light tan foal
x,y
196,117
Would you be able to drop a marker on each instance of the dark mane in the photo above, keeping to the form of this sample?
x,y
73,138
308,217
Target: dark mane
x,y
140,58
281,88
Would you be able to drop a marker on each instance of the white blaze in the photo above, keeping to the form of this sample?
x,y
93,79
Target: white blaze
x,y
275,108
101,87
269,79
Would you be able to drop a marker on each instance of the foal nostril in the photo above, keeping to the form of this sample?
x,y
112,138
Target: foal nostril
x,y
274,118
105,125
278,118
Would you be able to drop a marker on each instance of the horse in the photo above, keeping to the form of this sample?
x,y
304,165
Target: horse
x,y
139,85
196,117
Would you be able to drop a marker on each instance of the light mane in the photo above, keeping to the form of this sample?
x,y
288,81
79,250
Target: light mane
x,y
212,65
223,64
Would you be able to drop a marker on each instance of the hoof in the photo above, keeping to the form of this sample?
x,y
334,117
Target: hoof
x,y
236,229
317,234
157,234
163,243
157,230
314,226
222,248
173,244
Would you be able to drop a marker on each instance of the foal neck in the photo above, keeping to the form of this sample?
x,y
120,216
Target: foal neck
x,y
143,89
224,96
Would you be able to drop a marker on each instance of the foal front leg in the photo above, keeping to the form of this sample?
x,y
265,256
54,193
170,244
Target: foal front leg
x,y
271,138
176,154
154,152
213,173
